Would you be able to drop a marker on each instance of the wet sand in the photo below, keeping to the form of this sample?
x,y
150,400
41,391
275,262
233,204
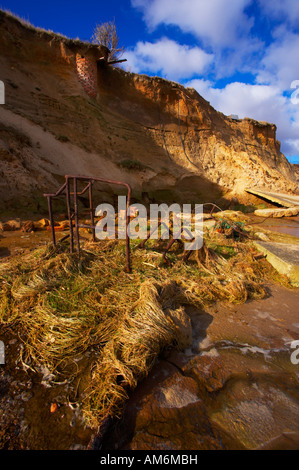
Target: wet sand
x,y
234,388
287,225
16,242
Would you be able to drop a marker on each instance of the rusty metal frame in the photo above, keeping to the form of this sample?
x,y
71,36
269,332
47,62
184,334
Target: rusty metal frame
x,y
141,245
172,241
74,215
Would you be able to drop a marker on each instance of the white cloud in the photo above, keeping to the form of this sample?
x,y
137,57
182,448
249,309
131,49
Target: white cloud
x,y
218,22
260,102
286,10
280,64
256,101
201,85
224,29
174,61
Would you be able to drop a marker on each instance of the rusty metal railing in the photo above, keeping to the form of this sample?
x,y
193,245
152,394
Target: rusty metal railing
x,y
70,188
73,215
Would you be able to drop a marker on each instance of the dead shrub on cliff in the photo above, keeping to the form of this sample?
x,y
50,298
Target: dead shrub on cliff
x,y
105,34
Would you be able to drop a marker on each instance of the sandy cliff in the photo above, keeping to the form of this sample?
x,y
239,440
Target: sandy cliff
x,y
163,139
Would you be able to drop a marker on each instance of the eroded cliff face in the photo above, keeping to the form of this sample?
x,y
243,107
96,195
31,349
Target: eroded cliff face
x,y
231,153
295,168
164,140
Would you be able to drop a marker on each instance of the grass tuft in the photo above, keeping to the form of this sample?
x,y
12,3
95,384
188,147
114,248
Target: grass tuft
x,y
68,306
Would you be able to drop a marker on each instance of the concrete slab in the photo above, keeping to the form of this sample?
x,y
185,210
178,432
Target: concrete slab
x,y
286,200
276,213
283,257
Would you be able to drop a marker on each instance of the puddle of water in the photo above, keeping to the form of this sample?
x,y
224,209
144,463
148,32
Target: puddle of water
x,y
15,242
287,225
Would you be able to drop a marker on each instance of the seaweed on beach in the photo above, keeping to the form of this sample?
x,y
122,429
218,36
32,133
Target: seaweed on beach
x,y
66,305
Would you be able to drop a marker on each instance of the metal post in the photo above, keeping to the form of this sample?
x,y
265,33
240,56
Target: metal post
x,y
76,215
69,213
51,219
127,233
91,212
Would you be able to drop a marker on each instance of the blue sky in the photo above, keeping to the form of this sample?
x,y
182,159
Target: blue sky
x,y
241,55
